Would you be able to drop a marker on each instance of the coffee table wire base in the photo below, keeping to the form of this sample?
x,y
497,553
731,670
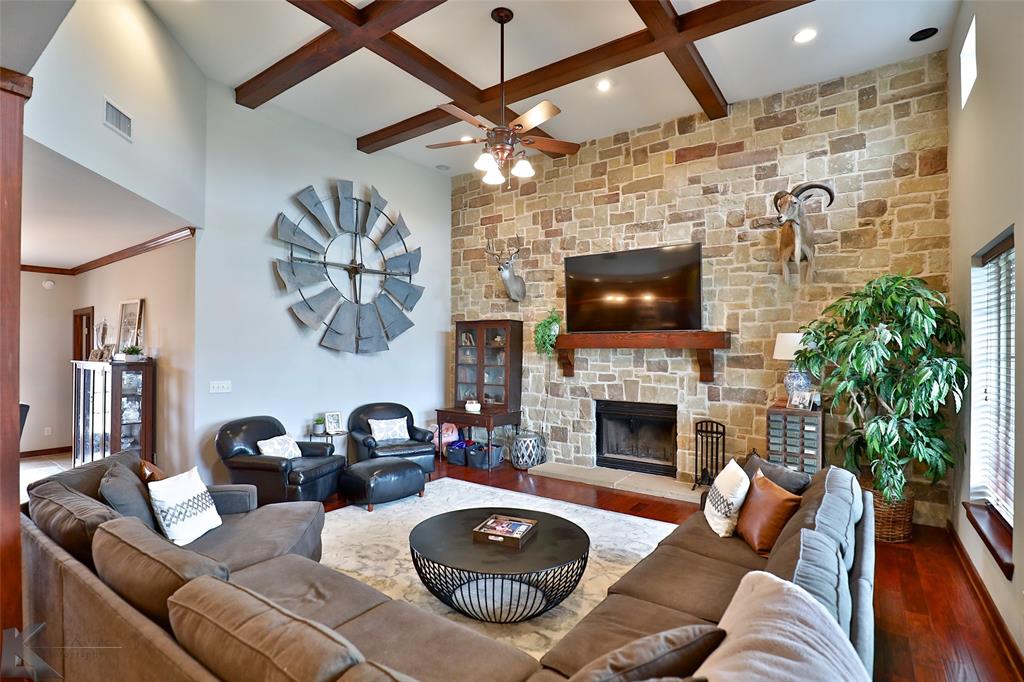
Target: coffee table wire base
x,y
499,598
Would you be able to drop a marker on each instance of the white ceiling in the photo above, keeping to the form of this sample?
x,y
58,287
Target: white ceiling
x,y
71,215
233,40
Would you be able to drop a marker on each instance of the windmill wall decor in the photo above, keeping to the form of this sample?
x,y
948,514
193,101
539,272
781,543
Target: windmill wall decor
x,y
352,268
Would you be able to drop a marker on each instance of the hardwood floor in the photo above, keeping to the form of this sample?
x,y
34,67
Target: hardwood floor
x,y
929,622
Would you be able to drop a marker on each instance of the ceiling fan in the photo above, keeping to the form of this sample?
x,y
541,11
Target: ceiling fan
x,y
500,142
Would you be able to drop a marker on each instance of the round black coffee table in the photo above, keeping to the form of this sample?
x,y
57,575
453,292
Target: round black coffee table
x,y
493,583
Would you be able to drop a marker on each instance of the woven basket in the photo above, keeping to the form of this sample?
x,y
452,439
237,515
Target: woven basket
x,y
894,521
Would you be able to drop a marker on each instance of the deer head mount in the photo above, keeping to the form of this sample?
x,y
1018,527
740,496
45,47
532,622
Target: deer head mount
x,y
515,286
797,237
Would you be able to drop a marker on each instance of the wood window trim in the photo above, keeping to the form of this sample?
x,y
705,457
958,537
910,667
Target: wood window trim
x,y
997,250
995,532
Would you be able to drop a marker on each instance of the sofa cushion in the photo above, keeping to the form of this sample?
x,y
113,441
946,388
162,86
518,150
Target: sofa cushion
x,y
144,568
782,476
308,469
813,561
828,508
683,580
432,648
696,535
373,672
402,448
671,653
122,489
266,532
776,631
240,635
68,517
309,589
86,478
615,622
764,513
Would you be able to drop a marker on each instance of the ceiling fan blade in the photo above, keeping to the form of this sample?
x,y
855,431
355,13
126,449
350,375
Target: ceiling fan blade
x,y
546,144
456,143
534,117
464,115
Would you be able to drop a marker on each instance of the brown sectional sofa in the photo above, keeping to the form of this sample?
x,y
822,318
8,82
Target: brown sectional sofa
x,y
270,557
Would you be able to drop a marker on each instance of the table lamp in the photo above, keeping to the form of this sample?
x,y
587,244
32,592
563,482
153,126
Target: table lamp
x,y
786,346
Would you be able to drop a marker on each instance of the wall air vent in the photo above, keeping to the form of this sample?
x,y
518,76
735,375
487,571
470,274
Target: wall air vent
x,y
118,121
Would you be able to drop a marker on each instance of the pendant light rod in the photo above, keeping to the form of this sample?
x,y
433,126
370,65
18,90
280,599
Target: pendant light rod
x,y
502,15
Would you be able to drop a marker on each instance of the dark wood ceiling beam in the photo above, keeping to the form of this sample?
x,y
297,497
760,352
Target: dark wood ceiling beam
x,y
700,23
426,69
375,21
661,20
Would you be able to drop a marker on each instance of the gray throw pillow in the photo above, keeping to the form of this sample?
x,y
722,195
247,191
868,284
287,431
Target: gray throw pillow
x,y
145,568
813,561
68,517
784,477
672,653
221,624
123,490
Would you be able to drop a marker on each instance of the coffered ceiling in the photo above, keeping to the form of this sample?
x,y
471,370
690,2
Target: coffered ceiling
x,y
364,94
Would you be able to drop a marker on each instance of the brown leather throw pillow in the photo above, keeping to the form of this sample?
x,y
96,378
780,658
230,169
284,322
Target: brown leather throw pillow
x,y
765,511
150,472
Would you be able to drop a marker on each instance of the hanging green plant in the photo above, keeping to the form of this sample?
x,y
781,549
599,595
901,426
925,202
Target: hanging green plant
x,y
889,354
545,333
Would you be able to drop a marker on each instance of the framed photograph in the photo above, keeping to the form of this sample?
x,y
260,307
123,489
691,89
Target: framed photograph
x,y
107,354
816,400
332,422
800,400
130,325
95,355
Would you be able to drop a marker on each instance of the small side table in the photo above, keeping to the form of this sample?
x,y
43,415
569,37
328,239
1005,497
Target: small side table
x,y
486,419
328,438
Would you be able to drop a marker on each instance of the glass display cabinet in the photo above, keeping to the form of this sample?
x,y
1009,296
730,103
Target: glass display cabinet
x,y
114,409
489,363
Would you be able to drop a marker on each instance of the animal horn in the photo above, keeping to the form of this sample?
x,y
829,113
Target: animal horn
x,y
491,252
808,186
777,198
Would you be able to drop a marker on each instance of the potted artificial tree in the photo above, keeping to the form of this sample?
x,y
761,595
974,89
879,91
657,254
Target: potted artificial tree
x,y
889,357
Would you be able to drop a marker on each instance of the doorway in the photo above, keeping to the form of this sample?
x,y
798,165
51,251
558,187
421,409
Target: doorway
x,y
81,333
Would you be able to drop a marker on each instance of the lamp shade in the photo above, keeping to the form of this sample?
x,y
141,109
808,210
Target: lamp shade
x,y
786,346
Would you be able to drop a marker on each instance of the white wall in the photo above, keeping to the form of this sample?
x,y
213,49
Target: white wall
x,y
45,372
165,278
118,49
256,162
986,164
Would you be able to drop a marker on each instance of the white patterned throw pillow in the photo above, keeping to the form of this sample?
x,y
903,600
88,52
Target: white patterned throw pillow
x,y
279,446
389,429
183,507
725,498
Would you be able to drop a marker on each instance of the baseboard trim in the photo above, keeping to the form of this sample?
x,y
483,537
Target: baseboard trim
x,y
45,451
1006,641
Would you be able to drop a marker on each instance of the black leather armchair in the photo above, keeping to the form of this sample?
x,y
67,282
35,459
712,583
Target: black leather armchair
x,y
312,477
419,448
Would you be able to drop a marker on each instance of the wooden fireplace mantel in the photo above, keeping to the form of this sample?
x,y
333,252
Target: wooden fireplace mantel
x,y
701,341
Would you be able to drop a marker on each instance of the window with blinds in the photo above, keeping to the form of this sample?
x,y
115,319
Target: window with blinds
x,y
993,344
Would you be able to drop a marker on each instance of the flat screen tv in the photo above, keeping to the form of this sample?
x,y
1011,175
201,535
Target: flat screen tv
x,y
655,289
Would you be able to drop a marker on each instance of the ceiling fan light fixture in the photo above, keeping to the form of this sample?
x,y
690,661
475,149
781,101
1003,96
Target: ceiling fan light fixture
x,y
523,168
494,176
466,138
485,162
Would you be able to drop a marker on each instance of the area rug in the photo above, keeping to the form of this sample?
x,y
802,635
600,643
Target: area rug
x,y
374,548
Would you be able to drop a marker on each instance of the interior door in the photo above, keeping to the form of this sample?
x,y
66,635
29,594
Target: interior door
x,y
82,334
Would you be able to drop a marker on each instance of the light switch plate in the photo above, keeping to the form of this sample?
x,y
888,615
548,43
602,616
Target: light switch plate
x,y
48,431
220,387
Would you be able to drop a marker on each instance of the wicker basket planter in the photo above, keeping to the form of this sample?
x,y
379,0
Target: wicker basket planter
x,y
894,521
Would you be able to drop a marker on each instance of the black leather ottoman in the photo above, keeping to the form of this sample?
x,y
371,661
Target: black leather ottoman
x,y
380,479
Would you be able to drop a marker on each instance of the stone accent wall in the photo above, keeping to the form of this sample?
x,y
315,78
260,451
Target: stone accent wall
x,y
878,137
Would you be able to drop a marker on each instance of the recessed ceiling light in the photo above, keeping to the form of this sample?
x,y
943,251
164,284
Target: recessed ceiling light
x,y
604,85
466,138
805,36
442,167
923,34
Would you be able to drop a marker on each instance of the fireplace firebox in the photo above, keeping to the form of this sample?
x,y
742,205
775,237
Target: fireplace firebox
x,y
637,436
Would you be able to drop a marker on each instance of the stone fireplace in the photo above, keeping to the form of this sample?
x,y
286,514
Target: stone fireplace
x,y
636,436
